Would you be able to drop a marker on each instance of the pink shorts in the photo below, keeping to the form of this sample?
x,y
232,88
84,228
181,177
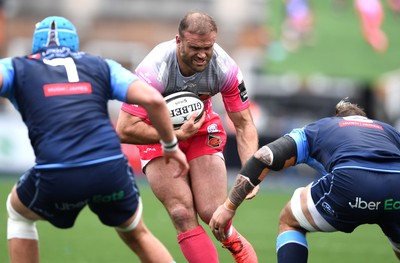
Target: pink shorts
x,y
210,139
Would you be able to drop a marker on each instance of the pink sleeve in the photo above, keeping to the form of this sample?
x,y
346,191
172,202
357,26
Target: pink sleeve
x,y
134,110
234,93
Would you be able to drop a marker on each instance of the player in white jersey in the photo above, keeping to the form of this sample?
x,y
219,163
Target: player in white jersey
x,y
194,62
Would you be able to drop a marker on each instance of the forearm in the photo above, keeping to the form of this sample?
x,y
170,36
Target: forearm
x,y
160,118
241,188
275,156
250,175
247,142
139,133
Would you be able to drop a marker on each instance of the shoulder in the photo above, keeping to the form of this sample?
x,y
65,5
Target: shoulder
x,y
158,64
6,62
7,75
162,52
225,67
297,135
159,58
223,60
88,58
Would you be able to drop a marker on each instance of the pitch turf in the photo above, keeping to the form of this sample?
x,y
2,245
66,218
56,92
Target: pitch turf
x,y
90,242
339,49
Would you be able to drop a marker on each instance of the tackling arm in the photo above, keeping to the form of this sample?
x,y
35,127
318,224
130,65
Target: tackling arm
x,y
275,156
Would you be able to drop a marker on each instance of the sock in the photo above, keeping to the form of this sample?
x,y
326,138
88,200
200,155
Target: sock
x,y
197,246
291,246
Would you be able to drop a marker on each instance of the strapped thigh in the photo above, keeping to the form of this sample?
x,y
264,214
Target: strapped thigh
x,y
320,222
19,226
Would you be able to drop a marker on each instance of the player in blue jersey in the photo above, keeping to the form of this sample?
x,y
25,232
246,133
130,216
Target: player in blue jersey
x,y
359,160
62,96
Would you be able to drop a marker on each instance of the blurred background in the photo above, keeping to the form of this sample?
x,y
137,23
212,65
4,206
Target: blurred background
x,y
298,57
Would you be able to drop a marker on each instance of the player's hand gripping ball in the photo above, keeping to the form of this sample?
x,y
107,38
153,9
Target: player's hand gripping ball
x,y
182,105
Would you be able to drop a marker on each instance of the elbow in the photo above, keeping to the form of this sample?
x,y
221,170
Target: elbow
x,y
156,100
121,134
122,131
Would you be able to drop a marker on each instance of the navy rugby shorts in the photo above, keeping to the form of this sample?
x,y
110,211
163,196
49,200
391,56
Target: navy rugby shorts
x,y
58,195
347,198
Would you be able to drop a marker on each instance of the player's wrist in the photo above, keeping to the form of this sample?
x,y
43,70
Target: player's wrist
x,y
170,146
228,205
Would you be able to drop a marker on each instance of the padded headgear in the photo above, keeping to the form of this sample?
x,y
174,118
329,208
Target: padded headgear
x,y
57,31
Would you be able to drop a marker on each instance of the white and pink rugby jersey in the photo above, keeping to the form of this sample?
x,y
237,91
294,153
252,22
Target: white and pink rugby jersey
x,y
160,69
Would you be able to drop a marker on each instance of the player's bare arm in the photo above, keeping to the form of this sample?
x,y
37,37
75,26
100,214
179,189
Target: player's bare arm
x,y
133,130
246,137
246,133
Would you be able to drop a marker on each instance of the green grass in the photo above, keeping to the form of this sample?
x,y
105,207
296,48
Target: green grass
x,y
89,241
340,49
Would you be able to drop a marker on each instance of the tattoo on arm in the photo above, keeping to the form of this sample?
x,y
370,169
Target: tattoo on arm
x,y
240,190
265,155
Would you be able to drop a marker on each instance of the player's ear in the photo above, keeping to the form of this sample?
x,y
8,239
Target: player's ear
x,y
178,39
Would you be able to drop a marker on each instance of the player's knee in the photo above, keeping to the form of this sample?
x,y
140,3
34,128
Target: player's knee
x,y
284,218
19,226
181,215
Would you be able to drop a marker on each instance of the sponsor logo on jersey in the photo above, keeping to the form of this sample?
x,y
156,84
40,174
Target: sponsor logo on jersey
x,y
327,208
243,92
65,206
63,89
387,204
360,124
108,198
212,128
149,149
214,141
145,76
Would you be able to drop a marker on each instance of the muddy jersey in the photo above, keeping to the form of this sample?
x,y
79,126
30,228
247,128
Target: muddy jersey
x,y
161,70
62,97
352,142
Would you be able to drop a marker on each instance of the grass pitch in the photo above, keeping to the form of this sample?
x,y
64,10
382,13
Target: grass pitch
x,y
91,242
339,49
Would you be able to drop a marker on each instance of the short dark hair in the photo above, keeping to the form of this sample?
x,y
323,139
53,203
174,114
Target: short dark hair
x,y
346,108
197,23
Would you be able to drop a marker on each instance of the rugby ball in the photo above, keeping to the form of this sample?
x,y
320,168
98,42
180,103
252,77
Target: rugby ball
x,y
182,105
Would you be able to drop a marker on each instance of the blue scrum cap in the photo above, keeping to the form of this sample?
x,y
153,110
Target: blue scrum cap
x,y
57,31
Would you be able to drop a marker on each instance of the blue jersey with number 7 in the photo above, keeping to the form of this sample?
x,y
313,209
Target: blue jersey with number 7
x,y
62,97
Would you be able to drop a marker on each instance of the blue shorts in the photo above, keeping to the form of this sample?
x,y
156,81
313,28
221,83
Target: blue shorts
x,y
347,198
58,195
